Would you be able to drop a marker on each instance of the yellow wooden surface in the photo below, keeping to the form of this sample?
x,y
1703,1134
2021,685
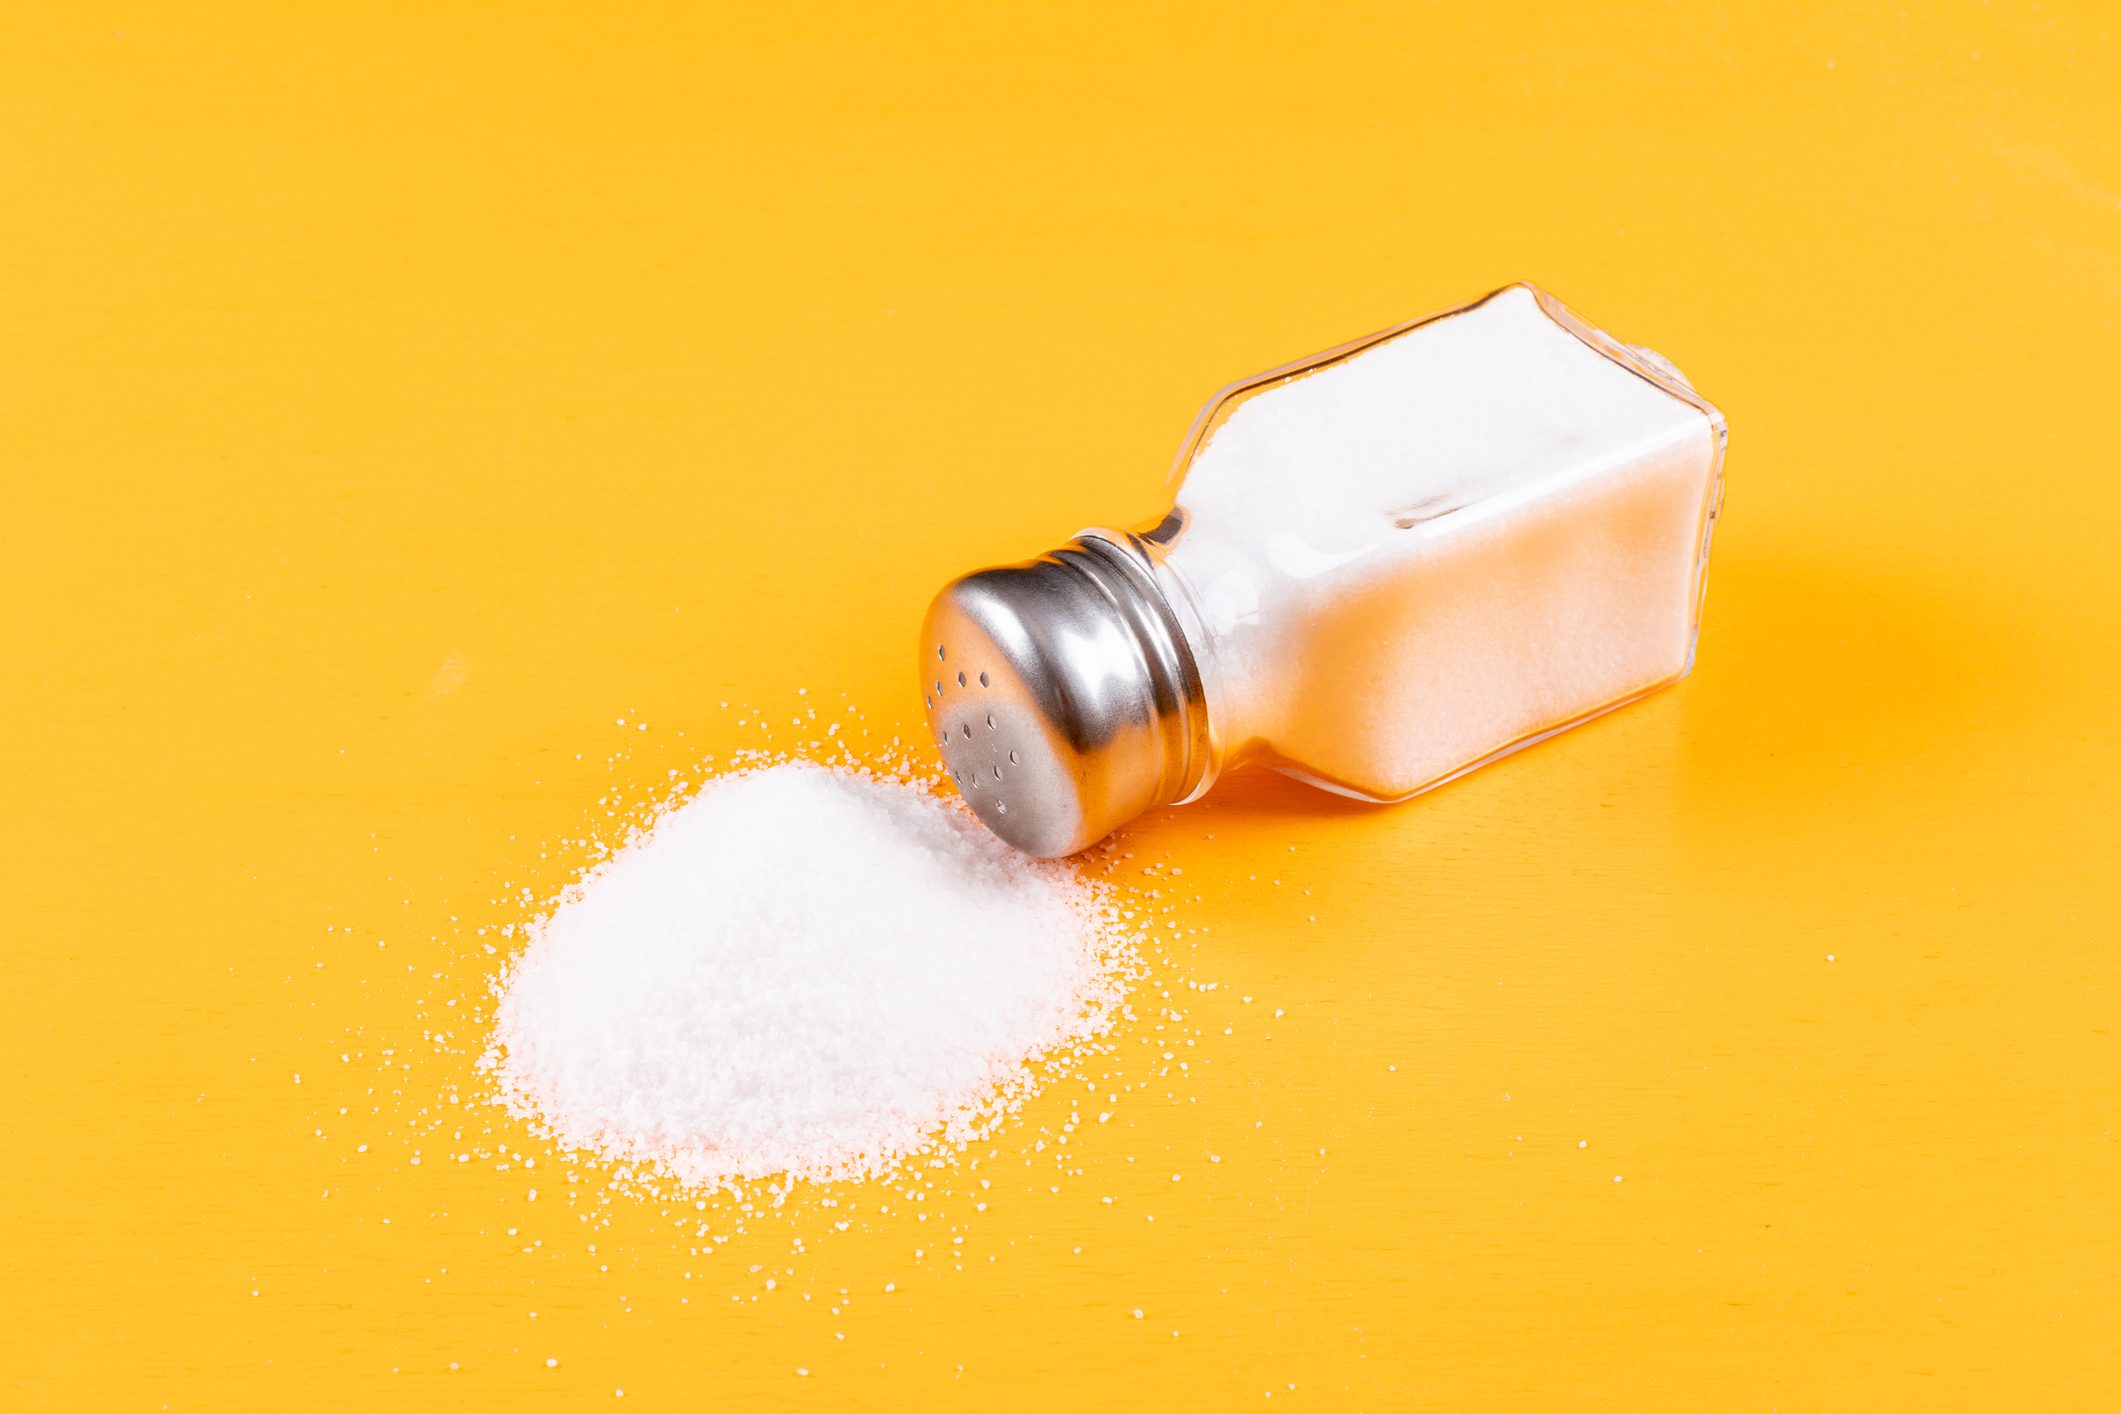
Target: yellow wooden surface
x,y
393,397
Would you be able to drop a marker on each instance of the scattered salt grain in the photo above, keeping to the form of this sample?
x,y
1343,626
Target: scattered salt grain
x,y
803,970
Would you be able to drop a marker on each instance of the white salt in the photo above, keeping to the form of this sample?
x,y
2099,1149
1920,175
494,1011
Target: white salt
x,y
804,970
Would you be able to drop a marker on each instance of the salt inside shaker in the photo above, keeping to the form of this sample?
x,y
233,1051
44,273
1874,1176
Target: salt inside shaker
x,y
1388,564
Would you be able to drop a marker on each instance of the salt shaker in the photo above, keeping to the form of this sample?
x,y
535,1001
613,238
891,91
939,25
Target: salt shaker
x,y
1388,564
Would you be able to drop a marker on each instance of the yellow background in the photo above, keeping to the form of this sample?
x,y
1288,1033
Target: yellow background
x,y
393,397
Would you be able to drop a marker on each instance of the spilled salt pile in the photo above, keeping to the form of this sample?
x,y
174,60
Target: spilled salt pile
x,y
804,970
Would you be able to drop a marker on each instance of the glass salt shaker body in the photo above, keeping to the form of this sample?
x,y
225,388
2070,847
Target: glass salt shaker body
x,y
1387,565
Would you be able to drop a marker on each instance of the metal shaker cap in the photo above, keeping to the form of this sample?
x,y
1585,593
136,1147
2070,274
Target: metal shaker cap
x,y
1063,694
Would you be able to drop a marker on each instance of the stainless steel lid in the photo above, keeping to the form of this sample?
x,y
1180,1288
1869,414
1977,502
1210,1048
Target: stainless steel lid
x,y
1063,694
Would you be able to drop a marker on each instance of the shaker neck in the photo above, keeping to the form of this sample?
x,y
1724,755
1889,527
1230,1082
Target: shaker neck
x,y
1175,639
